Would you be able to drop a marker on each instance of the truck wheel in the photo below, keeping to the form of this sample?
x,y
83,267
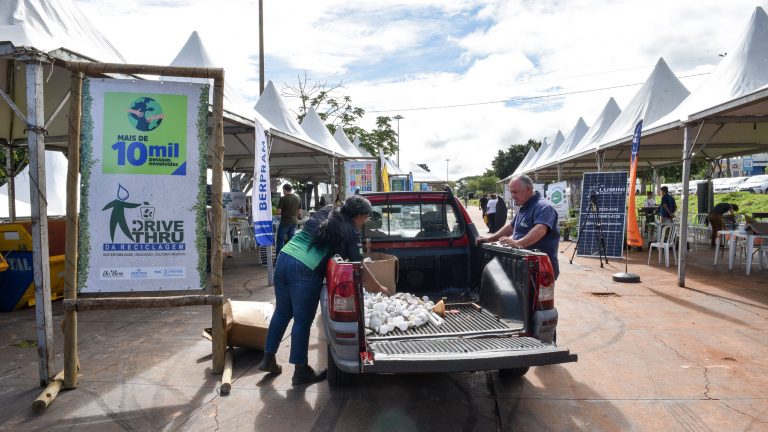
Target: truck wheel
x,y
336,376
512,373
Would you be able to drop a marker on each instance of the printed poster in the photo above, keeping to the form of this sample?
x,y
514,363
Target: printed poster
x,y
360,175
143,160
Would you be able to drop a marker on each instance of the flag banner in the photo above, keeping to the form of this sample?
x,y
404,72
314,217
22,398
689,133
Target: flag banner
x,y
556,194
384,173
360,175
608,191
262,191
633,231
143,160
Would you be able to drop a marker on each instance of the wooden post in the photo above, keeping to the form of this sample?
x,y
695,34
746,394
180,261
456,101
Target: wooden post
x,y
49,394
39,204
217,278
226,377
70,263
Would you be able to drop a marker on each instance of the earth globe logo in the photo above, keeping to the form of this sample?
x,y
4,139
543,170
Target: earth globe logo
x,y
145,114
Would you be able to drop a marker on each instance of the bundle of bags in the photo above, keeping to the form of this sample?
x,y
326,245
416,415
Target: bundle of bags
x,y
399,311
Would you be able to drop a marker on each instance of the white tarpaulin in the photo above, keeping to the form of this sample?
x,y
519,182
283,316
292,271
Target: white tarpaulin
x,y
314,127
346,144
142,216
595,133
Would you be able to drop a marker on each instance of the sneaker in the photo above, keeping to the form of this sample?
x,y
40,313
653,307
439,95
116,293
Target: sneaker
x,y
269,364
304,374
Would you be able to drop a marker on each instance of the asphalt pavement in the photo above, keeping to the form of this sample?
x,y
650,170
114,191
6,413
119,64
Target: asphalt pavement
x,y
652,356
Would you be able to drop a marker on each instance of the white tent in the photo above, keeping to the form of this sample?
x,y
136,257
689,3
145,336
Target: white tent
x,y
573,139
54,26
420,175
55,186
743,70
544,152
531,153
195,54
293,153
360,148
661,93
346,144
595,133
314,127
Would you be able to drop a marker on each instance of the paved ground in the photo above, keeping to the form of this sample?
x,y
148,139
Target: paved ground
x,y
651,357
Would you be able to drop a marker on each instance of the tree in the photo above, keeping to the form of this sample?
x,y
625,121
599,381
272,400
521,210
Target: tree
x,y
506,162
338,111
19,161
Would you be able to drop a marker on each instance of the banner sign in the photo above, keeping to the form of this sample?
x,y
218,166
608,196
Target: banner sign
x,y
235,205
360,175
262,191
142,210
609,191
633,231
556,194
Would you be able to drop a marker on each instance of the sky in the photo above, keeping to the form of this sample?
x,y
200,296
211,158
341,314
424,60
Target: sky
x,y
421,58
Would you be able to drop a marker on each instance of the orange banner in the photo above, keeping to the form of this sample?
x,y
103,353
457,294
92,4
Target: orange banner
x,y
633,231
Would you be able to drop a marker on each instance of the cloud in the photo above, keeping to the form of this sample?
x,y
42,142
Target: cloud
x,y
404,54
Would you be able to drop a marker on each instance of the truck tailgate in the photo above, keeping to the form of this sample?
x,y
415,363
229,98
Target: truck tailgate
x,y
463,354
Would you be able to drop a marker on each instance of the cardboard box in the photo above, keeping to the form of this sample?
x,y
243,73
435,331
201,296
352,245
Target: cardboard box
x,y
385,268
247,323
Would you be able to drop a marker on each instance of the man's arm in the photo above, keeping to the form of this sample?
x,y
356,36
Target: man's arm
x,y
535,234
504,232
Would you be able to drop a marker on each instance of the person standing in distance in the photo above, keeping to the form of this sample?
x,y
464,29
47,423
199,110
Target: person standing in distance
x,y
490,211
534,226
668,205
288,209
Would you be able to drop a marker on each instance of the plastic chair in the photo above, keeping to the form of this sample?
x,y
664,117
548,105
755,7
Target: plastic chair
x,y
666,241
244,236
699,228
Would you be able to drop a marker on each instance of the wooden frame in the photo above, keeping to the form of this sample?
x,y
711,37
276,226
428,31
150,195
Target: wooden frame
x,y
71,303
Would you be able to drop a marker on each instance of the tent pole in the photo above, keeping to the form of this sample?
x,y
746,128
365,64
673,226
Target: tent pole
x,y
559,172
682,250
39,204
217,277
11,181
70,269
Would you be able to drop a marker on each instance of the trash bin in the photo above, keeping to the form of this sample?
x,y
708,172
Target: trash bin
x,y
17,283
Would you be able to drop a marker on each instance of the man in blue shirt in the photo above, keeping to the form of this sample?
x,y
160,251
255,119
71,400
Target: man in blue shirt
x,y
668,206
535,224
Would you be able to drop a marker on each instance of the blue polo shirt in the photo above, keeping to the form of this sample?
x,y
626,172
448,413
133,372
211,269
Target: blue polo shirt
x,y
670,202
538,211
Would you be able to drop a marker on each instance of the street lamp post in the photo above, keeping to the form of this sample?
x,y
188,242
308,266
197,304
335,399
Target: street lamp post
x,y
398,118
446,170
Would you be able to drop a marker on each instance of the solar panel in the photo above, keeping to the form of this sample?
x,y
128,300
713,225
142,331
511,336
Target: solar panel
x,y
610,192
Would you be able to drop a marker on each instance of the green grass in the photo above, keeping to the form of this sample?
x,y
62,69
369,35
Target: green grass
x,y
748,202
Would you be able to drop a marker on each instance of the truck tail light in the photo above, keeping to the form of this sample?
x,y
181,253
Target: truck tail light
x,y
544,295
342,301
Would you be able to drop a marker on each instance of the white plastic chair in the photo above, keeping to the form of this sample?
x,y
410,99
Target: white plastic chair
x,y
699,228
666,241
244,236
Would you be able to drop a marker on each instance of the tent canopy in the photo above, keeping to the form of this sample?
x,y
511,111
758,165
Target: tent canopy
x,y
346,144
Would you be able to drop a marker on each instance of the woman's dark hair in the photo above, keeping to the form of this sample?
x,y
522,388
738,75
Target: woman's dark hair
x,y
332,233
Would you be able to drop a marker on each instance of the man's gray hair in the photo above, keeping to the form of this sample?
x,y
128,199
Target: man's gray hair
x,y
523,178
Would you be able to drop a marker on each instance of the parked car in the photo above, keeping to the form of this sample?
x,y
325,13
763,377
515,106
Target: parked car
x,y
729,184
502,299
755,184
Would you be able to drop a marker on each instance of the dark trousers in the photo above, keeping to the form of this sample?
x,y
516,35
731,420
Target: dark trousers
x,y
717,223
297,294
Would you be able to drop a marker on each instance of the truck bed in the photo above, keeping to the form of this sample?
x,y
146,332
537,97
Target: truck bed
x,y
471,320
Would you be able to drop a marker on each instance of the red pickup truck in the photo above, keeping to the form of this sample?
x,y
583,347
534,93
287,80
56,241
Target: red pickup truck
x,y
501,300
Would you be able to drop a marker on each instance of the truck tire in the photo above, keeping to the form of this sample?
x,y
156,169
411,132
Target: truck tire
x,y
511,373
336,376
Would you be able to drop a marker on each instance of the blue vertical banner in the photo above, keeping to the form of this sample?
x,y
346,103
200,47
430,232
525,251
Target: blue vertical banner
x,y
262,197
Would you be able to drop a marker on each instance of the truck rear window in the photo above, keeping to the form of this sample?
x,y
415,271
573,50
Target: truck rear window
x,y
395,221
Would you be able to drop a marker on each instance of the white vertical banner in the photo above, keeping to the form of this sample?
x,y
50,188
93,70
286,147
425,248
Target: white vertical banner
x,y
557,196
539,187
262,192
